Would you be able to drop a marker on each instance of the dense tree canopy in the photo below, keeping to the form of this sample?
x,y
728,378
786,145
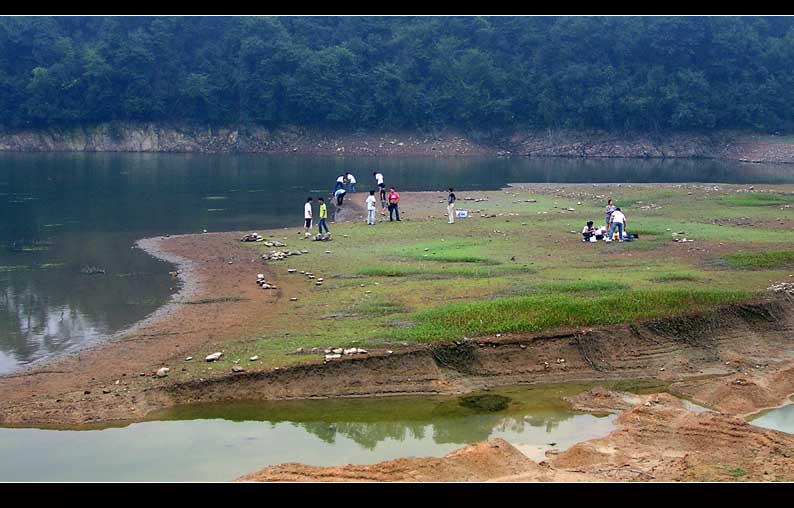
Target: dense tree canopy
x,y
678,73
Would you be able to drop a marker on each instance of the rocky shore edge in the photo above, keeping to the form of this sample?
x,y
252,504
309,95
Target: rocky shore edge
x,y
152,137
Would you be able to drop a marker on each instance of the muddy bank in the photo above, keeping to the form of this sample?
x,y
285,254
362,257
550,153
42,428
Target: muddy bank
x,y
727,341
151,137
106,382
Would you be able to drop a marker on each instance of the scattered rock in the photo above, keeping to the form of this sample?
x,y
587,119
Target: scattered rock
x,y
162,372
214,357
237,368
253,358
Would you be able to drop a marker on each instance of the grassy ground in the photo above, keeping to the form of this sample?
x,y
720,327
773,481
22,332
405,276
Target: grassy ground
x,y
525,269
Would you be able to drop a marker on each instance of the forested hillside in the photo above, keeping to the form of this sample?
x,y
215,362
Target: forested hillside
x,y
401,73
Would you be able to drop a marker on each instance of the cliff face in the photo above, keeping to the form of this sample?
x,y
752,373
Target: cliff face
x,y
150,137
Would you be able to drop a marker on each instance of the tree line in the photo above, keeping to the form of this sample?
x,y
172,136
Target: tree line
x,y
645,73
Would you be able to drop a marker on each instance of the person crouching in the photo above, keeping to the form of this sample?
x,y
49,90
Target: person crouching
x,y
588,231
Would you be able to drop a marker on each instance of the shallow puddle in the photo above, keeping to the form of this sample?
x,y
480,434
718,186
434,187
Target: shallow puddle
x,y
781,419
224,441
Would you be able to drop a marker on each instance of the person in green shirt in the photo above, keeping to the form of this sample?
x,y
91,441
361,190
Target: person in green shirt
x,y
323,216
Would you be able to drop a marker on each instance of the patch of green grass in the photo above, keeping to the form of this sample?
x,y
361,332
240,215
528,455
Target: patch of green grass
x,y
441,272
757,199
379,308
449,252
220,299
674,277
583,286
534,313
737,472
769,259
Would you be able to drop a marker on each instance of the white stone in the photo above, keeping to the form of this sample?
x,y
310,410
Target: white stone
x,y
162,371
214,356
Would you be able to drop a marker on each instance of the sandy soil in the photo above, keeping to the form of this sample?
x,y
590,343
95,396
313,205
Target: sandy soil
x,y
658,439
494,459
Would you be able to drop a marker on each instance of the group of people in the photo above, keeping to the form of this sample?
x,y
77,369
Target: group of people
x,y
390,201
615,222
344,183
347,182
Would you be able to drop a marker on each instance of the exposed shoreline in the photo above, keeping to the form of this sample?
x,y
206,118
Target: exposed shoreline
x,y
570,143
81,390
216,265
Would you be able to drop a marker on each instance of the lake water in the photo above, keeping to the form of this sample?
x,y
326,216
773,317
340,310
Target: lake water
x,y
64,213
224,441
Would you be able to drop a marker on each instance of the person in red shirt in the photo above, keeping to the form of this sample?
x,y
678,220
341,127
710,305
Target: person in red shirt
x,y
394,204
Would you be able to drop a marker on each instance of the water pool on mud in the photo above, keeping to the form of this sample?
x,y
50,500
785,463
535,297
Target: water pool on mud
x,y
219,442
781,419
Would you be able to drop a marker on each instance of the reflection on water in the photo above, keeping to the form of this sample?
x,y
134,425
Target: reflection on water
x,y
64,211
199,444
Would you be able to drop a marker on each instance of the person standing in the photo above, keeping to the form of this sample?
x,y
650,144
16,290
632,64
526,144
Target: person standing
x,y
371,208
379,179
351,180
617,221
307,217
323,217
394,204
383,201
451,206
609,209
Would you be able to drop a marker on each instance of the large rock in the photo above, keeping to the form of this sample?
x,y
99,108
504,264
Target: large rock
x,y
214,357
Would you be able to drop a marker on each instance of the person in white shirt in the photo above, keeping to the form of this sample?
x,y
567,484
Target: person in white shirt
x,y
617,221
351,180
371,208
307,216
379,179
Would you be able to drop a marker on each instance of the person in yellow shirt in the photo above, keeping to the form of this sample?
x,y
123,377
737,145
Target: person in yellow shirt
x,y
323,216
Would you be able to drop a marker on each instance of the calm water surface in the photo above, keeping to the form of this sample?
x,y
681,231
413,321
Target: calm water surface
x,y
62,213
781,419
224,441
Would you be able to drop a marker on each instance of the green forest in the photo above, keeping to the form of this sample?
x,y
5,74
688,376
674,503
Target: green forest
x,y
639,73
